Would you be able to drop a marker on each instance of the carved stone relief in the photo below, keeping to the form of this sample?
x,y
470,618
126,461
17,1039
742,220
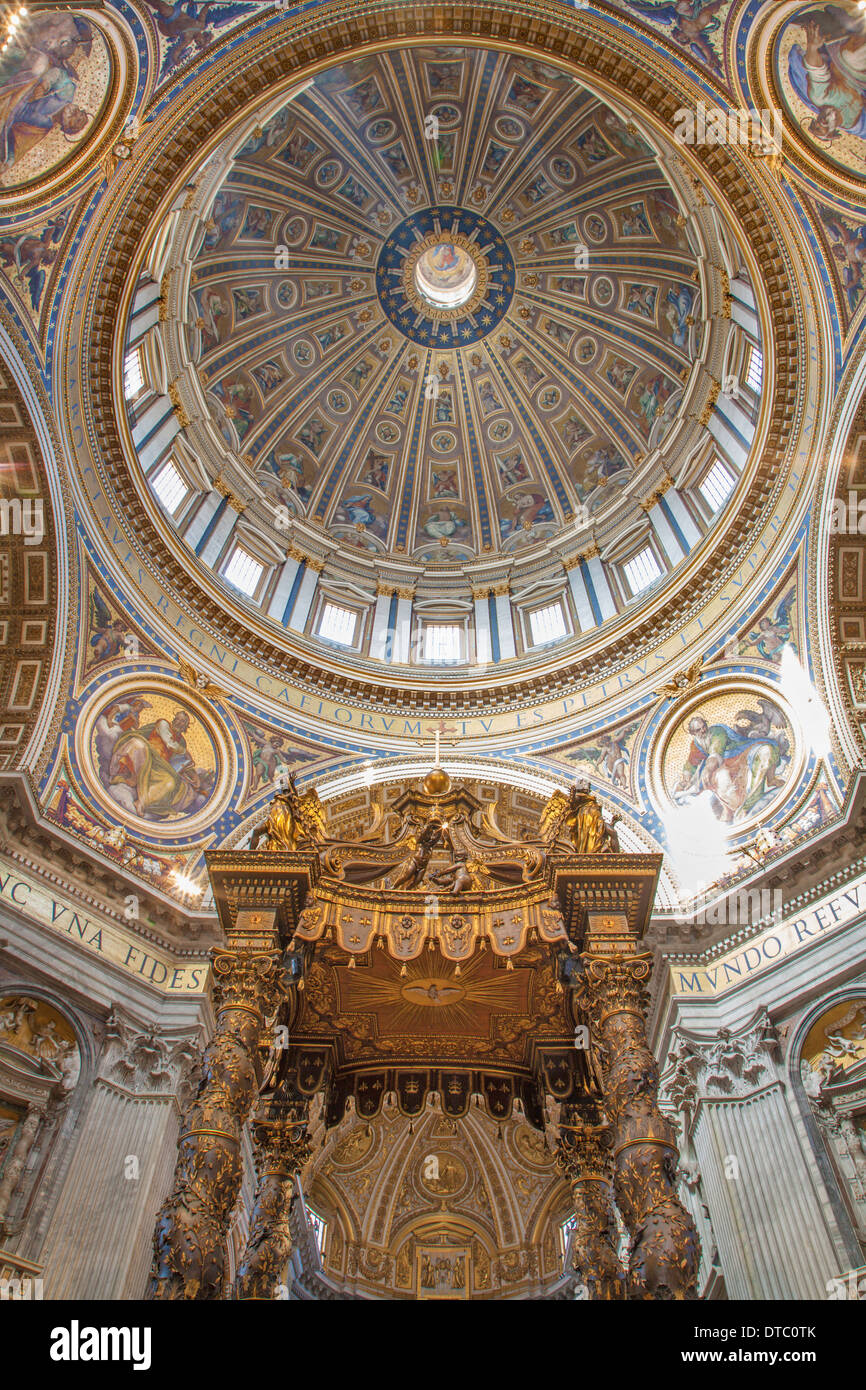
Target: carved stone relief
x,y
140,1061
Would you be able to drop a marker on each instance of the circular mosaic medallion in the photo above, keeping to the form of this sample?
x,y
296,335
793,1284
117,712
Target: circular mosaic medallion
x,y
294,230
594,227
500,430
387,432
532,1148
445,276
447,115
58,77
735,750
442,1173
819,71
355,1147
602,290
154,755
339,402
444,442
562,170
328,173
509,129
381,130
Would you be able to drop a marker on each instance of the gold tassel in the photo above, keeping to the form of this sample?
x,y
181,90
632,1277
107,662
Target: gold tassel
x,y
403,970
508,965
351,962
457,970
301,983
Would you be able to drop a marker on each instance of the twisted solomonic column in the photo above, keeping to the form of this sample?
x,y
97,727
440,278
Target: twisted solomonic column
x,y
191,1228
282,1148
664,1254
583,1157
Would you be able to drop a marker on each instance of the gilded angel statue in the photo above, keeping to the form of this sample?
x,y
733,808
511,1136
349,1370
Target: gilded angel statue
x,y
577,816
293,819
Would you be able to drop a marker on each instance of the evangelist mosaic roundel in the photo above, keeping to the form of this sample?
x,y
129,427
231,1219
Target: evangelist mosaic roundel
x,y
735,750
445,277
820,59
55,77
152,755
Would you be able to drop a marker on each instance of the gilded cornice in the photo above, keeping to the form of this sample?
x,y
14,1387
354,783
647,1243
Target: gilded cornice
x,y
164,292
183,420
219,484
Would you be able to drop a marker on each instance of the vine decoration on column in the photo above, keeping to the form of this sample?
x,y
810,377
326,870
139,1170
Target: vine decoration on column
x,y
583,1157
664,1250
189,1241
282,1149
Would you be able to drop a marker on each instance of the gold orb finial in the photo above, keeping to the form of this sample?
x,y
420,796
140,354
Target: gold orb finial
x,y
437,782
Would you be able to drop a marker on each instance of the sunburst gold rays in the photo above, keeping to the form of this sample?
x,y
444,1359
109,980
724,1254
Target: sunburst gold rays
x,y
430,1000
462,233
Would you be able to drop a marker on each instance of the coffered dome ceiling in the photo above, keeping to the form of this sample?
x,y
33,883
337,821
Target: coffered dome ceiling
x,y
445,296
438,321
